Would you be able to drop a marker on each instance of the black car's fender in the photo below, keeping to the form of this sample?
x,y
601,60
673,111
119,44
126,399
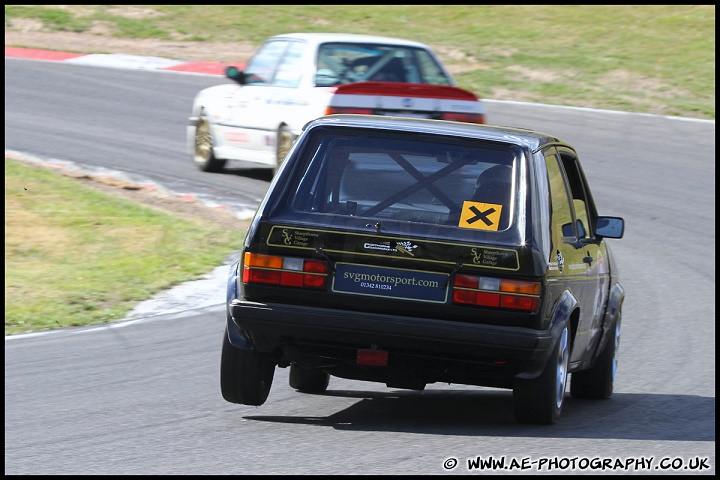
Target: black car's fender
x,y
561,316
615,299
236,335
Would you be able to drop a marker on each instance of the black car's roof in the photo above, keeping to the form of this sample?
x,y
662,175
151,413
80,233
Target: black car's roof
x,y
518,136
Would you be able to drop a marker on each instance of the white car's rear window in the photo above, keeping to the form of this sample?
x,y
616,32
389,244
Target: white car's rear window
x,y
355,62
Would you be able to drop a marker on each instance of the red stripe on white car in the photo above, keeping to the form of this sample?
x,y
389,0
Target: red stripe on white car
x,y
404,90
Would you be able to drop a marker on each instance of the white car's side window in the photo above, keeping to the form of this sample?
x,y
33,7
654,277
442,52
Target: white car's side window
x,y
261,66
289,71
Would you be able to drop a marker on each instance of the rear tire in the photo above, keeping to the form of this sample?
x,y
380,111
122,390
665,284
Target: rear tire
x,y
285,140
308,380
597,382
245,375
540,400
204,156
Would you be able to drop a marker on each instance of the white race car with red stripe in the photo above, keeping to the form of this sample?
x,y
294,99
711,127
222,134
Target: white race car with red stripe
x,y
298,77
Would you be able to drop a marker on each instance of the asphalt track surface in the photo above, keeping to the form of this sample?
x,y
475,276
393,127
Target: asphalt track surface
x,y
142,396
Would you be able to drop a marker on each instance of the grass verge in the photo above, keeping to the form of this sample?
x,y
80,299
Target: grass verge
x,y
75,256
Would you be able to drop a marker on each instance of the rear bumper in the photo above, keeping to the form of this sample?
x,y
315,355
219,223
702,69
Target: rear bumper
x,y
438,350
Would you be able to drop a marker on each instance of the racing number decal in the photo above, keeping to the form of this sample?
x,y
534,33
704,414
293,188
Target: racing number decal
x,y
480,216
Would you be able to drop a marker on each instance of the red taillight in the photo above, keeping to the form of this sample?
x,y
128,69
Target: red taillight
x,y
466,281
463,117
260,276
488,299
353,110
372,357
519,303
291,279
496,292
285,271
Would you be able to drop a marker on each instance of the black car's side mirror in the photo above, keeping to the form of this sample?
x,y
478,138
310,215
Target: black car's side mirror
x,y
610,227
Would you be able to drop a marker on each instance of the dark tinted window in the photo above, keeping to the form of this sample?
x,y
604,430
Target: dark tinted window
x,y
561,210
578,189
406,177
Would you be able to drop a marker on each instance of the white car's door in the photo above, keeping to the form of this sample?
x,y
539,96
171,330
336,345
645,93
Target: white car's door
x,y
276,93
281,100
245,120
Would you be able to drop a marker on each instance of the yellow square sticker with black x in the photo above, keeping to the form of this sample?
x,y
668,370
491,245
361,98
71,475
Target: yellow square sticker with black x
x,y
480,216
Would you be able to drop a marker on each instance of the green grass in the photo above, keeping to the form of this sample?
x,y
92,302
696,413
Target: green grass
x,y
74,256
653,59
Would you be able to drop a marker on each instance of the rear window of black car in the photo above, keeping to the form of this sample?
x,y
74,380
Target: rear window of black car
x,y
402,176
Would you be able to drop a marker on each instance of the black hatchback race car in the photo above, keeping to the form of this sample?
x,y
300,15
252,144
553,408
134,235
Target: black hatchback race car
x,y
410,251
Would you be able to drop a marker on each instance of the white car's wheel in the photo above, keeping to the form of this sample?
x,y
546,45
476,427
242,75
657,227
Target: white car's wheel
x,y
285,140
203,155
